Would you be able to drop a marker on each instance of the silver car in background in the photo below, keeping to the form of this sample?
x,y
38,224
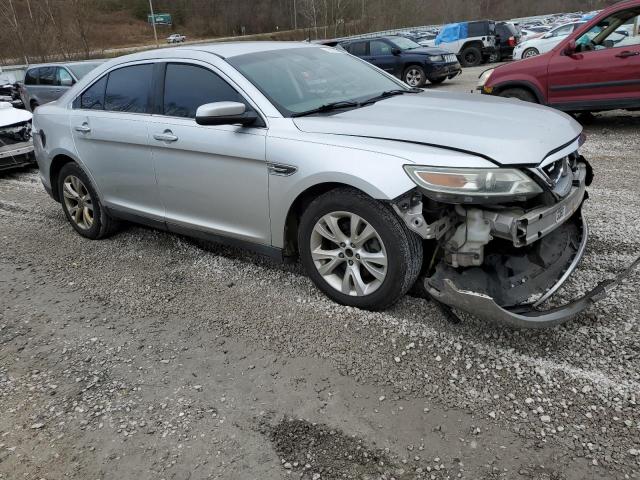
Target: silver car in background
x,y
301,150
48,82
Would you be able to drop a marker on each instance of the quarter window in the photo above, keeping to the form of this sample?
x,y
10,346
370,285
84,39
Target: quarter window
x,y
128,89
31,77
187,87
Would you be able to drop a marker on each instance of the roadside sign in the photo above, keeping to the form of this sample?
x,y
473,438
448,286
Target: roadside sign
x,y
160,18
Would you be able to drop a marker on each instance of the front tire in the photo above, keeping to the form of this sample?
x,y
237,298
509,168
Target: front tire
x,y
414,76
357,251
471,57
530,52
81,204
520,94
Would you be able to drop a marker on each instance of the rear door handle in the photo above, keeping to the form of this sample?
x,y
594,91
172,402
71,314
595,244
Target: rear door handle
x,y
627,53
84,128
166,136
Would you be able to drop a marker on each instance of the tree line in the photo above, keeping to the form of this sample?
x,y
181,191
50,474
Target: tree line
x,y
37,30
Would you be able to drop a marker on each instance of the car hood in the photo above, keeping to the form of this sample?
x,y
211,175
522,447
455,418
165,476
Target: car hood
x,y
12,116
506,131
426,51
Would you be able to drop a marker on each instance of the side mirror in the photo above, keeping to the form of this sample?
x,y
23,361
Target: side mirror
x,y
570,48
66,82
396,51
224,113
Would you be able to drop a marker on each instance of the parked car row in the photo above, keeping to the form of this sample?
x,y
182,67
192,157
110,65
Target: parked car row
x,y
593,68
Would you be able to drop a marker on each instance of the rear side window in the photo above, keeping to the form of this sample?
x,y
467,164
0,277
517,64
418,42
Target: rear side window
x,y
31,77
128,89
478,29
186,87
93,97
48,76
359,49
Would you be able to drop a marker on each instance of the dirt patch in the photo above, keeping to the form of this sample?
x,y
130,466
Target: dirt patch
x,y
315,451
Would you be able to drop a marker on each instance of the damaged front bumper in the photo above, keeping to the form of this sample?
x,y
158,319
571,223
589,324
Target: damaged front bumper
x,y
485,307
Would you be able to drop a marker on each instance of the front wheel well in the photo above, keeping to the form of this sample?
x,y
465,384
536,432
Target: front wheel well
x,y
522,86
57,163
298,207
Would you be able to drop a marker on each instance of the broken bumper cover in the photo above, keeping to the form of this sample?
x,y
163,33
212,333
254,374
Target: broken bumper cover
x,y
16,155
483,306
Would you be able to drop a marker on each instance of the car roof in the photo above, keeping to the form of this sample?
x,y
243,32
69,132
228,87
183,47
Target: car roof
x,y
220,49
64,64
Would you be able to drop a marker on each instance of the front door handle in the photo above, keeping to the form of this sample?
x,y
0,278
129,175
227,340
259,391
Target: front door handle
x,y
84,128
166,136
627,53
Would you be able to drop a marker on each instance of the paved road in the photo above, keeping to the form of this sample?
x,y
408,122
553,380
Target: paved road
x,y
154,356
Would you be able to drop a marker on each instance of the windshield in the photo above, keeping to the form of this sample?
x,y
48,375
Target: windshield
x,y
300,79
404,43
81,69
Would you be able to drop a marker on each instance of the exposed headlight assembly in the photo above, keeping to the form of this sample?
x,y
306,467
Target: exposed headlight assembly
x,y
436,58
473,185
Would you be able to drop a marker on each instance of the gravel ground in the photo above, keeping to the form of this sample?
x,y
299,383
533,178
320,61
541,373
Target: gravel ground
x,y
149,355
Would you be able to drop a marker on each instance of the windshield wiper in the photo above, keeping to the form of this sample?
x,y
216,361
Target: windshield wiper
x,y
329,107
390,93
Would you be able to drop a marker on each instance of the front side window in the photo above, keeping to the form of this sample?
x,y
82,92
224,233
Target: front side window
x,y
93,97
64,78
128,89
617,30
296,80
48,76
379,48
186,87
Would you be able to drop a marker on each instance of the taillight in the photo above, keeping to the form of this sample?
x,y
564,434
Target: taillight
x,y
512,41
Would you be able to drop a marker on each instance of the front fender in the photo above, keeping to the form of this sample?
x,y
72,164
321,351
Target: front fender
x,y
380,176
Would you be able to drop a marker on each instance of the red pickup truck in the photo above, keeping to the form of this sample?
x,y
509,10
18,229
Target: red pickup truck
x,y
595,68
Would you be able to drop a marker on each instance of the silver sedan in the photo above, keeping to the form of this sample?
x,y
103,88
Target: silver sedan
x,y
300,150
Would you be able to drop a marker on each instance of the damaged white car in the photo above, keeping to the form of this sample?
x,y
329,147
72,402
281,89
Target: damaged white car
x,y
299,150
16,146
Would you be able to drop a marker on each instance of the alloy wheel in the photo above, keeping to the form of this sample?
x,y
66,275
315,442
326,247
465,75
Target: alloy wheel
x,y
78,202
349,253
413,77
530,53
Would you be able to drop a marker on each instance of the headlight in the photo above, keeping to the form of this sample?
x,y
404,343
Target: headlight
x,y
467,185
484,77
436,58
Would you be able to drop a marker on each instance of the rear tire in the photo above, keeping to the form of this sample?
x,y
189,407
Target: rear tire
x,y
520,94
414,76
395,253
471,57
81,204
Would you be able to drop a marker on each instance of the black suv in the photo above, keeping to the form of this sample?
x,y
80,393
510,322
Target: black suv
x,y
507,37
406,59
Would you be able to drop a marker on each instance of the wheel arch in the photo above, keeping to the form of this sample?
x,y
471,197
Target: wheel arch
x,y
471,43
535,90
58,161
300,204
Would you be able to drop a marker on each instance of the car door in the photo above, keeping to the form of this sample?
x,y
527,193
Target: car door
x,y
211,179
604,71
47,89
109,127
381,55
